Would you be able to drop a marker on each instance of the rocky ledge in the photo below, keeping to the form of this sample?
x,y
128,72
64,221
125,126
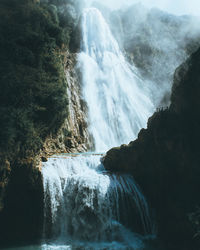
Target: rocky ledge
x,y
165,160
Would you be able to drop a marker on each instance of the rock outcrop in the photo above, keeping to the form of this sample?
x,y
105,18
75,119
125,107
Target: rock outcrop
x,y
41,110
22,214
73,135
165,161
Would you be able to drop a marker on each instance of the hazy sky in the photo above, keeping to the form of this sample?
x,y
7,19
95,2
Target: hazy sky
x,y
178,7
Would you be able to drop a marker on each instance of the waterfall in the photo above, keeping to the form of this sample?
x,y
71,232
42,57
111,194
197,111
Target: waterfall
x,y
85,206
83,203
117,98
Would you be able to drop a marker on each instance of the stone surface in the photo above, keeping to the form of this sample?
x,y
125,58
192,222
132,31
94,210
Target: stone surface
x,y
22,215
21,189
73,136
165,159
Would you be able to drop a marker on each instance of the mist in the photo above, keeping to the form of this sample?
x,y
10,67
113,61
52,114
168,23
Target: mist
x,y
178,7
156,37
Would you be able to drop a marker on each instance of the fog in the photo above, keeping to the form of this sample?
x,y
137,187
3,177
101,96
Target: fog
x,y
157,36
177,7
154,36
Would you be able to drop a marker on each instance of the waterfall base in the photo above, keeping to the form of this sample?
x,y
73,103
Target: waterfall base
x,y
88,208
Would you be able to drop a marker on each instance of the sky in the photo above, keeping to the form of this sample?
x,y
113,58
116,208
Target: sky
x,y
178,7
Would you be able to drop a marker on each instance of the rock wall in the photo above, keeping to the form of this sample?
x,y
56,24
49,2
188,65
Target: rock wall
x,y
41,111
164,160
21,188
73,136
22,214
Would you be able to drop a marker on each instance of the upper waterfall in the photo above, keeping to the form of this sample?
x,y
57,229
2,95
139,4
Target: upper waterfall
x,y
117,99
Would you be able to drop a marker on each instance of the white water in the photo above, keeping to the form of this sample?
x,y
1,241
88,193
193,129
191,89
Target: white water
x,y
117,99
86,208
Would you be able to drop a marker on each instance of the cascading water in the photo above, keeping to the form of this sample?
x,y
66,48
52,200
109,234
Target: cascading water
x,y
85,207
118,103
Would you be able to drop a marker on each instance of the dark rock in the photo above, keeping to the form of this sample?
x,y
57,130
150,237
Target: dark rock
x,y
40,107
165,159
44,159
22,216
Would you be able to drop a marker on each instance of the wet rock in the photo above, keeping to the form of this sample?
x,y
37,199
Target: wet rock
x,y
22,214
165,161
73,136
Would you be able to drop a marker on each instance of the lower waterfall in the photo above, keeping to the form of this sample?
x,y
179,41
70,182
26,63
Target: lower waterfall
x,y
89,208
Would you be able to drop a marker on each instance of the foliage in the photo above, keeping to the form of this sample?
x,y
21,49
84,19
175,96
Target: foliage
x,y
33,99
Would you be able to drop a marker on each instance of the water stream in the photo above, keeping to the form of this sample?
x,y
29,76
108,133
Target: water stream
x,y
85,207
117,97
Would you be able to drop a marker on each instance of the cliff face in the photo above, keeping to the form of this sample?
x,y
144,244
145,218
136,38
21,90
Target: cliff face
x,y
41,112
164,160
73,135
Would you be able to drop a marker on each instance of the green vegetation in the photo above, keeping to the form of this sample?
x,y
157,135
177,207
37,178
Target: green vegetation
x,y
33,98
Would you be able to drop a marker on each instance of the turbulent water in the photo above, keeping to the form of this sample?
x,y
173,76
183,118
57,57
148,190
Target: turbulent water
x,y
118,103
85,207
